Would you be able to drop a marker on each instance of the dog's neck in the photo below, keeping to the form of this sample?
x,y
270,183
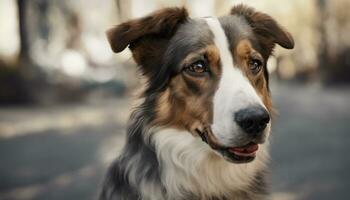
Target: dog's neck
x,y
164,163
188,165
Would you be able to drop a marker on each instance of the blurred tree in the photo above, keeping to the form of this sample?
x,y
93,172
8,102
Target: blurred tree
x,y
334,48
13,84
124,9
24,41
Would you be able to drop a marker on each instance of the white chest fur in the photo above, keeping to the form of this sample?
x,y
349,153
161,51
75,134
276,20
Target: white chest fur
x,y
190,165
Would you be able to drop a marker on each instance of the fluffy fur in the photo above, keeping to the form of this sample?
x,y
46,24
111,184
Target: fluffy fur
x,y
199,75
192,167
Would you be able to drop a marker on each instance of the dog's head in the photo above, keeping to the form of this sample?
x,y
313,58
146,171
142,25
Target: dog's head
x,y
207,75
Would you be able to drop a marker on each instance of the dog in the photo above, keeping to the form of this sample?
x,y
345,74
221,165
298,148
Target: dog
x,y
201,131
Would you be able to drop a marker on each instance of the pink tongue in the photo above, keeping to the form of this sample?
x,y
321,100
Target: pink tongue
x,y
250,148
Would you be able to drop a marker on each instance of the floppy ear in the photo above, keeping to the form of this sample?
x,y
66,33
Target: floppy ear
x,y
268,31
162,22
147,37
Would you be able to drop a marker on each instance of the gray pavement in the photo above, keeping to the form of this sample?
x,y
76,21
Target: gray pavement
x,y
61,152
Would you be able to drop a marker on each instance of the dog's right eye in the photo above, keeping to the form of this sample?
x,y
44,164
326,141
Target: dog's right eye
x,y
197,68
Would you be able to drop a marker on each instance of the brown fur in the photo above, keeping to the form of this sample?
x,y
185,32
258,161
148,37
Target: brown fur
x,y
267,30
179,106
244,52
147,37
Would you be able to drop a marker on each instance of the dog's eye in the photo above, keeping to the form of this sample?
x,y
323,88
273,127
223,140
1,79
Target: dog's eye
x,y
197,68
255,65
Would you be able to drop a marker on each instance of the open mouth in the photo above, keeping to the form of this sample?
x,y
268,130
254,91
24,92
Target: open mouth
x,y
241,154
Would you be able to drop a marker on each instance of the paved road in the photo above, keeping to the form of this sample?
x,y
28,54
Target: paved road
x,y
61,152
311,142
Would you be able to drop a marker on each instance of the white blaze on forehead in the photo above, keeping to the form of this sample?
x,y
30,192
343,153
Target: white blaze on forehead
x,y
234,92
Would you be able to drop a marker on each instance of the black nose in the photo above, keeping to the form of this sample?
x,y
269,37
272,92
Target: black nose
x,y
253,119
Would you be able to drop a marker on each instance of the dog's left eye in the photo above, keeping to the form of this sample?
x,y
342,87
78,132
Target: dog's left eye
x,y
197,68
255,65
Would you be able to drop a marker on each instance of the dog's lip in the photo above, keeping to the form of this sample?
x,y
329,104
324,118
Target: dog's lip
x,y
239,154
211,141
246,150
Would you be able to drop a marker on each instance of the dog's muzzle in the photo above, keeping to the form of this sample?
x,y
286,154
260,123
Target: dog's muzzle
x,y
241,154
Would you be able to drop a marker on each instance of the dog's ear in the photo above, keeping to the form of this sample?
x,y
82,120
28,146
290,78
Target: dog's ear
x,y
147,37
162,23
267,30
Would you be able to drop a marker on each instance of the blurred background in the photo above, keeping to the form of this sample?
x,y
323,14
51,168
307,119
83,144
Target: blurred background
x,y
65,97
